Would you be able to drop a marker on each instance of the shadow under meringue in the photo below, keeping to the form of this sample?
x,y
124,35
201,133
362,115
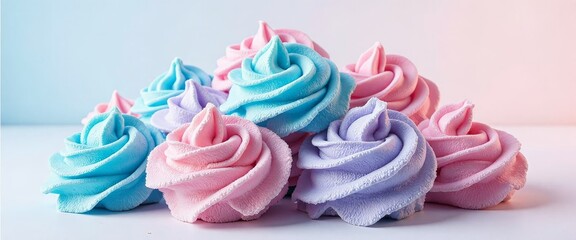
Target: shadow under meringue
x,y
432,213
282,214
531,196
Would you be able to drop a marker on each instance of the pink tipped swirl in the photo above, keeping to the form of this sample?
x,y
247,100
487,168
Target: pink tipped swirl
x,y
395,80
250,46
116,101
220,168
478,166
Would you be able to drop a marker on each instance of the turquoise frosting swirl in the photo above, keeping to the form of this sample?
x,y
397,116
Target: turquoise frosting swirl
x,y
104,165
167,85
289,88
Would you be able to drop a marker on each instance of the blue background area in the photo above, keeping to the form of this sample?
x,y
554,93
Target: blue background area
x,y
62,57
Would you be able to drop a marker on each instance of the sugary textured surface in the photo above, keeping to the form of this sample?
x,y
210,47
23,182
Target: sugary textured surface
x,y
289,88
294,141
116,101
169,84
395,80
220,169
373,163
478,166
104,165
182,108
236,53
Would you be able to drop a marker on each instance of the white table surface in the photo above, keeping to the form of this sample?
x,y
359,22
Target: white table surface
x,y
544,209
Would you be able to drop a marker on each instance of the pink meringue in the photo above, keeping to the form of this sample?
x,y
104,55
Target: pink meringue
x,y
395,80
219,168
250,46
478,166
123,104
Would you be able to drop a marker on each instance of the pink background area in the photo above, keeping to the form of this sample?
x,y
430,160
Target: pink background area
x,y
516,60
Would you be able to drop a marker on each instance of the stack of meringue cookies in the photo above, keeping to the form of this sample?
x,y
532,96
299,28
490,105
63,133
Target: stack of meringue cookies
x,y
363,142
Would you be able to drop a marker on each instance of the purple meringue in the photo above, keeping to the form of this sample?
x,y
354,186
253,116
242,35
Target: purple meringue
x,y
182,108
371,164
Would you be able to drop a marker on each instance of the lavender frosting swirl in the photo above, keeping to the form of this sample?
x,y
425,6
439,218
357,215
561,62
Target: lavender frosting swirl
x,y
182,108
373,163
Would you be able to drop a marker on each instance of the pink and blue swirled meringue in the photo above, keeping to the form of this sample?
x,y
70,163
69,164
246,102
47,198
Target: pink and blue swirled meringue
x,y
104,165
478,166
288,88
220,168
395,80
371,164
116,101
248,48
182,108
169,84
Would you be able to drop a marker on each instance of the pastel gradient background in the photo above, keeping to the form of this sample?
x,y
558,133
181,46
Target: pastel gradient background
x,y
516,60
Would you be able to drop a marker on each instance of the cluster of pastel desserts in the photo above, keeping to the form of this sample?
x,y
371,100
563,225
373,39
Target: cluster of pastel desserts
x,y
278,119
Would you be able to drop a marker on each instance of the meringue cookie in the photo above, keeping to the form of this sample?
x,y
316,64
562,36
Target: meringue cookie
x,y
182,108
478,166
373,163
219,169
169,84
123,105
288,88
235,54
103,166
395,80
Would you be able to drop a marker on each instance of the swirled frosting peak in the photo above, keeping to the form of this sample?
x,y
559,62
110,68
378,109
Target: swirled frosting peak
x,y
478,166
116,101
169,84
371,164
104,165
288,88
182,108
235,54
393,79
220,168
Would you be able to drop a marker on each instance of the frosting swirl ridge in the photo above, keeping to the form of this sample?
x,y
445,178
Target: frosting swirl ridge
x,y
236,53
104,165
478,166
121,103
394,79
220,168
371,164
169,84
288,88
182,108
